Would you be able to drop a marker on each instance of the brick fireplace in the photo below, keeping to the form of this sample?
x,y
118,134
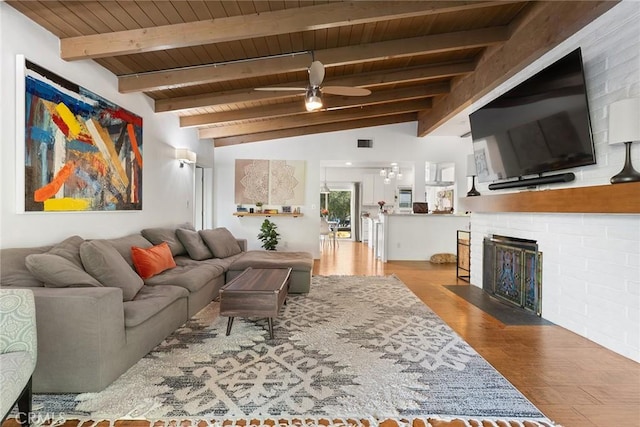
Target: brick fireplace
x,y
512,271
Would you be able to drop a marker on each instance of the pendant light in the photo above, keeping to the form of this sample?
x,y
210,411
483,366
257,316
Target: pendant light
x,y
325,188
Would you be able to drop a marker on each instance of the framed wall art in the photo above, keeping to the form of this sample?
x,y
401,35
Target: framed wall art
x,y
271,182
76,150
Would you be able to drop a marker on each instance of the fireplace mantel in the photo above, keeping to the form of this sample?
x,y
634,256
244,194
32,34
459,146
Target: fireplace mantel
x,y
611,198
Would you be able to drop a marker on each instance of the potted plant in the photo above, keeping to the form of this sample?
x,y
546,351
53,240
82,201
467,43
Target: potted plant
x,y
269,235
258,207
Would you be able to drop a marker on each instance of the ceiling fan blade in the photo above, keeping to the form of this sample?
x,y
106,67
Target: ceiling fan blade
x,y
316,73
346,90
282,89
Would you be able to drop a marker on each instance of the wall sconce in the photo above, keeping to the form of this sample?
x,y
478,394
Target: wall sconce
x,y
184,155
624,128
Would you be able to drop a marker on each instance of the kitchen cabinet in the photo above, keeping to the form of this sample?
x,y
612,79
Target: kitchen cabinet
x,y
368,190
412,237
364,230
374,189
371,232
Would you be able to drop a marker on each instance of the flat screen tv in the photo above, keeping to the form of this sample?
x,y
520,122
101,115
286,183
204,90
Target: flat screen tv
x,y
541,125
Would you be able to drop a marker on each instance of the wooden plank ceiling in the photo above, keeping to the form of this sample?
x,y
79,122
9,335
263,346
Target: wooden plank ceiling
x,y
202,60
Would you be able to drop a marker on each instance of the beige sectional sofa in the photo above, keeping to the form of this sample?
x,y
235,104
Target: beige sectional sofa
x,y
96,316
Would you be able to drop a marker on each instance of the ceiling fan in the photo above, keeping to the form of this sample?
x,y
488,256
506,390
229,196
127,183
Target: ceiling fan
x,y
313,92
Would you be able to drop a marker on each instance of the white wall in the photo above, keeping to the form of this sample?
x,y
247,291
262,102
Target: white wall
x,y
391,143
591,263
167,189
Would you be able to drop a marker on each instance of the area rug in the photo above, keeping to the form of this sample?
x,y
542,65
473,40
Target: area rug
x,y
355,347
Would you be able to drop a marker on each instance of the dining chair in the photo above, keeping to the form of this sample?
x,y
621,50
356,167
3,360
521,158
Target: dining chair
x,y
327,234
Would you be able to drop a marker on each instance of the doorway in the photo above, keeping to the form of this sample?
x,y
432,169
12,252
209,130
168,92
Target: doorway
x,y
336,206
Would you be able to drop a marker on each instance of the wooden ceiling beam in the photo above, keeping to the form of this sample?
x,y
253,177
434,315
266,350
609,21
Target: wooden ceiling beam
x,y
218,99
242,27
544,26
315,118
159,80
372,79
212,73
310,130
330,103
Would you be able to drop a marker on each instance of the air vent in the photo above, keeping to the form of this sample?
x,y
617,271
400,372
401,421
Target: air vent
x,y
365,143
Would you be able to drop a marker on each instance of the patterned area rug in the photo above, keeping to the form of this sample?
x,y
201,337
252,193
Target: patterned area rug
x,y
355,347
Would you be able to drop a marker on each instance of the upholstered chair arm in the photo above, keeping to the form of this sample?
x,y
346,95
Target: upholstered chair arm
x,y
18,350
18,322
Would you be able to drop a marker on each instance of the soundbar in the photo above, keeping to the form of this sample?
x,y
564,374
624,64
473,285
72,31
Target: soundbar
x,y
529,182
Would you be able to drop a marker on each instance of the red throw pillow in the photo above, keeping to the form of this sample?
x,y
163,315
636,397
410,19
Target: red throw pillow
x,y
152,261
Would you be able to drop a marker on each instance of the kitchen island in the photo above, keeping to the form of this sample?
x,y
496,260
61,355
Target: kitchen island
x,y
410,237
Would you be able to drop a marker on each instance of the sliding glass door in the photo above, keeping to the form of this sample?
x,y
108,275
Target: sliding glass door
x,y
338,205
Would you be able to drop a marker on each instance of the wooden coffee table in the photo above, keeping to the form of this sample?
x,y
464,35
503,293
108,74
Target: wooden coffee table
x,y
256,292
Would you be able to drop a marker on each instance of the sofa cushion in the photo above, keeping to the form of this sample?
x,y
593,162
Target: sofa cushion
x,y
124,244
158,235
150,301
298,261
13,270
187,226
151,261
193,244
222,262
221,242
105,263
58,272
192,277
69,249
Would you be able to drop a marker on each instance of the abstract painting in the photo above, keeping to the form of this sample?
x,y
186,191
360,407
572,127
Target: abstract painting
x,y
81,151
272,182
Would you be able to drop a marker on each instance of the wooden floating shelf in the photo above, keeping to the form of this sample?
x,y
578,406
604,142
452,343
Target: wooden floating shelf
x,y
241,214
611,198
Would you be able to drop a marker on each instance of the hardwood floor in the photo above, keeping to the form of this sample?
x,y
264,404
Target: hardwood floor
x,y
574,381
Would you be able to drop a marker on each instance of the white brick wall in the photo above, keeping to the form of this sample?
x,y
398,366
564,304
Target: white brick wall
x,y
591,263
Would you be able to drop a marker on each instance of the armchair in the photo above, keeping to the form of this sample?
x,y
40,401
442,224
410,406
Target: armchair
x,y
18,351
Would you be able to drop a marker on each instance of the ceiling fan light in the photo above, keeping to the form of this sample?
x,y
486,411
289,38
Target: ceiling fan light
x,y
313,99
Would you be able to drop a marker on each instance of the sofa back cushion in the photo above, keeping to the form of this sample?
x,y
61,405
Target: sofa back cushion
x,y
104,262
158,235
58,272
13,270
152,261
124,244
221,242
193,243
69,249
